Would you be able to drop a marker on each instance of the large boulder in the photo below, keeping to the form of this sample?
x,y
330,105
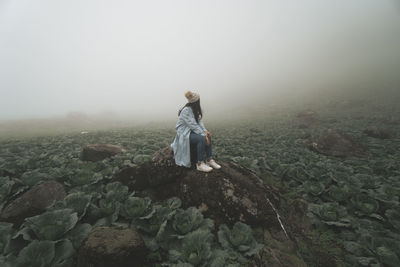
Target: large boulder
x,y
33,202
380,133
97,152
107,246
337,144
227,195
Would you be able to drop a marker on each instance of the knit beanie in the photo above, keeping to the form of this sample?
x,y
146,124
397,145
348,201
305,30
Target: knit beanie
x,y
192,97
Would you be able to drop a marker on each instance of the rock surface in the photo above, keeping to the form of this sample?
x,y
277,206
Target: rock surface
x,y
33,202
337,144
230,194
164,157
380,133
99,152
107,246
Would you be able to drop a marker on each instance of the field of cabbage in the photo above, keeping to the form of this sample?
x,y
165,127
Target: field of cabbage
x,y
355,199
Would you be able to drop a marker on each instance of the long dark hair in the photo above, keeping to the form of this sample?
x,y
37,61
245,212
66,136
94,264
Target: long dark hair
x,y
196,108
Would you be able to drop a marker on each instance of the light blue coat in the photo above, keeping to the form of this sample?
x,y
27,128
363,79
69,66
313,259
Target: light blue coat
x,y
181,145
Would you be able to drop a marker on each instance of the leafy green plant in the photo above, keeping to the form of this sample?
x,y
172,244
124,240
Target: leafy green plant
x,y
364,204
6,185
387,256
188,220
328,213
106,212
313,188
81,177
52,225
239,239
64,254
195,249
182,223
158,217
6,232
142,158
135,207
33,177
116,192
339,193
368,181
393,216
78,234
78,202
36,254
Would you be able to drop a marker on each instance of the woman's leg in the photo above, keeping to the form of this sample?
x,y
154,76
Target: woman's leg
x,y
200,141
209,151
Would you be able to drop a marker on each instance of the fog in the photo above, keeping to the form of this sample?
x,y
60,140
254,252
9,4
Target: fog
x,y
136,59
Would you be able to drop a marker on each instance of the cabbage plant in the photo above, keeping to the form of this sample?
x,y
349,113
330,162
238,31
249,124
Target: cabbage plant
x,y
393,216
195,249
313,188
78,234
78,202
36,254
188,220
182,223
84,176
364,204
151,222
339,193
52,225
387,196
329,213
6,185
387,256
64,254
368,181
239,239
33,177
116,192
135,207
106,212
6,232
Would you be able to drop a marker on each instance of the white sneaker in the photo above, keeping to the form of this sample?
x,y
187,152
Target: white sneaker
x,y
203,167
213,164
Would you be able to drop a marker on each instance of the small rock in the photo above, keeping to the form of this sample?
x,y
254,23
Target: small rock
x,y
33,202
306,119
99,152
107,246
306,114
380,133
337,144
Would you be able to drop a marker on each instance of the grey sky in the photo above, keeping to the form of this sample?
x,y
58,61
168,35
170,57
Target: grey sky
x,y
139,57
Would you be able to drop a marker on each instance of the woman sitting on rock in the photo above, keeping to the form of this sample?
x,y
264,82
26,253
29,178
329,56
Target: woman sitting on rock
x,y
190,130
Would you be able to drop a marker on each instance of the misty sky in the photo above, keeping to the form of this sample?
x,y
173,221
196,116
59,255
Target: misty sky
x,y
139,57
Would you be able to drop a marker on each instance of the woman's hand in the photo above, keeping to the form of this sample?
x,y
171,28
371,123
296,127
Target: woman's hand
x,y
208,138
